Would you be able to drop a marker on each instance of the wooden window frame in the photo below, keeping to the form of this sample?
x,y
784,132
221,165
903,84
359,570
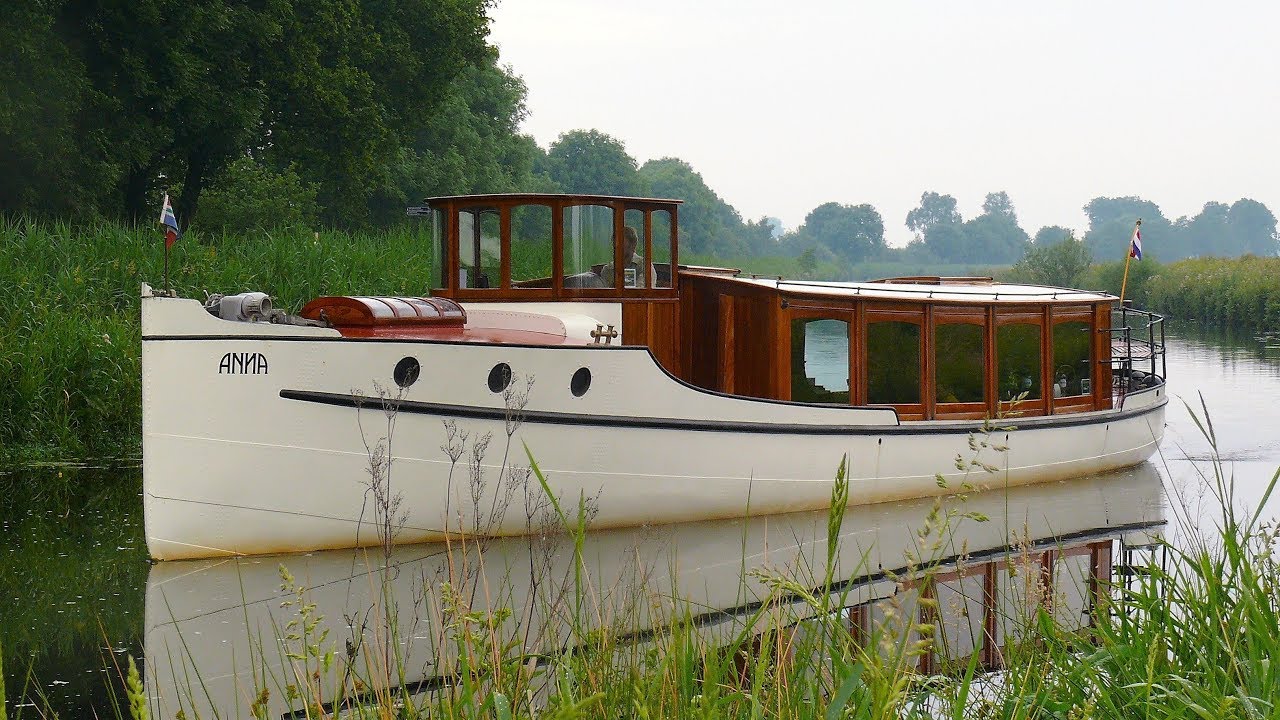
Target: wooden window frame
x,y
961,410
527,293
1073,403
899,312
1022,316
848,317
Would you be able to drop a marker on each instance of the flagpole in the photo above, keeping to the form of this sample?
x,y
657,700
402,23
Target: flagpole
x,y
1128,255
166,269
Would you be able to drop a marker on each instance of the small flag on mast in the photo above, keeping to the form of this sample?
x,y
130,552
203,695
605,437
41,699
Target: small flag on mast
x,y
1135,243
170,223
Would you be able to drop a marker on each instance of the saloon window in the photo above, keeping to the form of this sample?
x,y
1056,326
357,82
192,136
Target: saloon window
x,y
893,363
960,374
1072,368
479,248
820,361
531,246
1018,361
588,245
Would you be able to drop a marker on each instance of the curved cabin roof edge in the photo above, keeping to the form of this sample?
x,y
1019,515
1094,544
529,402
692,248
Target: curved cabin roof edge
x,y
555,197
991,292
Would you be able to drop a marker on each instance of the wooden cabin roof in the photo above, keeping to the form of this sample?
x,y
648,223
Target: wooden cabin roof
x,y
517,198
921,290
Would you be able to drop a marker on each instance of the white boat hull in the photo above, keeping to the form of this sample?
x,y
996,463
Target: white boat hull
x,y
257,439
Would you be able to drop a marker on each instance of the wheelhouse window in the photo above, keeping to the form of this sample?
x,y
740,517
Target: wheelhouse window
x,y
1072,361
1018,361
660,220
439,242
820,360
531,246
893,363
960,375
636,270
479,248
588,245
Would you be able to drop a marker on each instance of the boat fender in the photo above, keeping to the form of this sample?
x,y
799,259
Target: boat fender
x,y
243,307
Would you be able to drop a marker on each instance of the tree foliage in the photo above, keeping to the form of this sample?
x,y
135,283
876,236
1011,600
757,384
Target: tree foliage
x,y
111,102
854,233
1063,263
1221,230
934,210
592,162
992,237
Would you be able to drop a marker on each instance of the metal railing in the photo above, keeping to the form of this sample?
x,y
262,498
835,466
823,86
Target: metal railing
x,y
1137,346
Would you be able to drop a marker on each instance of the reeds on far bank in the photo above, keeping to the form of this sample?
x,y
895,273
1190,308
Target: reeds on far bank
x,y
70,339
1240,293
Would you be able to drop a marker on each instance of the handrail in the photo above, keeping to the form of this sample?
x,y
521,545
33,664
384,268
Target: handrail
x,y
1130,337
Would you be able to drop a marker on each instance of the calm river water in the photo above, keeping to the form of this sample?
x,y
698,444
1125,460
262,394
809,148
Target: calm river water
x,y
77,592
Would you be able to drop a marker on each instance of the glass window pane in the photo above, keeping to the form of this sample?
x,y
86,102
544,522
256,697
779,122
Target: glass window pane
x,y
479,248
820,361
893,363
588,245
531,246
1018,360
661,222
438,242
1072,368
960,370
636,270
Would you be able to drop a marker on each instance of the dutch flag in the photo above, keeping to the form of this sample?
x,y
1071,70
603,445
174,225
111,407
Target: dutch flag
x,y
1135,243
170,223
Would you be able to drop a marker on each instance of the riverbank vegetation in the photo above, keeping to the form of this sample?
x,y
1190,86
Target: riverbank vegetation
x,y
1241,293
69,309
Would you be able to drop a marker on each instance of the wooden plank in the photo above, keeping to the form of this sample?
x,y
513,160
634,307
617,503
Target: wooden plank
x,y
727,356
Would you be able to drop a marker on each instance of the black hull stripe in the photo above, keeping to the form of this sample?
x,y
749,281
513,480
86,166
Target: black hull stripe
x,y
921,427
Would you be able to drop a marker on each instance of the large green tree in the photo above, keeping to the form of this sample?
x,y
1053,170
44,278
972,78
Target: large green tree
x,y
1111,223
470,144
1062,263
994,236
592,162
111,101
48,167
1252,228
855,233
1051,235
353,81
708,224
934,209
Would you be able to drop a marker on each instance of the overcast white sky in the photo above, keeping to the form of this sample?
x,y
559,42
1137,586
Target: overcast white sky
x,y
783,106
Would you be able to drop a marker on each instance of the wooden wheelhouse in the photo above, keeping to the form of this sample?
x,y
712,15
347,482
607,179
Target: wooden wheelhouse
x,y
933,348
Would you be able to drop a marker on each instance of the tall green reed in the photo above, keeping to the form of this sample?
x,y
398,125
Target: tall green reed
x,y
69,313
2,702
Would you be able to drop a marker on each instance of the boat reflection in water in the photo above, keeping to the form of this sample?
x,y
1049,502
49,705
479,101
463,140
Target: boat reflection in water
x,y
216,628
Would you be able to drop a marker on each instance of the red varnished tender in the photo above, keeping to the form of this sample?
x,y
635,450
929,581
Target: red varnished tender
x,y
455,333
349,311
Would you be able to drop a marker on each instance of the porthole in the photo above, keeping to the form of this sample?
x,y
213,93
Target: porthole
x,y
499,377
407,372
581,382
